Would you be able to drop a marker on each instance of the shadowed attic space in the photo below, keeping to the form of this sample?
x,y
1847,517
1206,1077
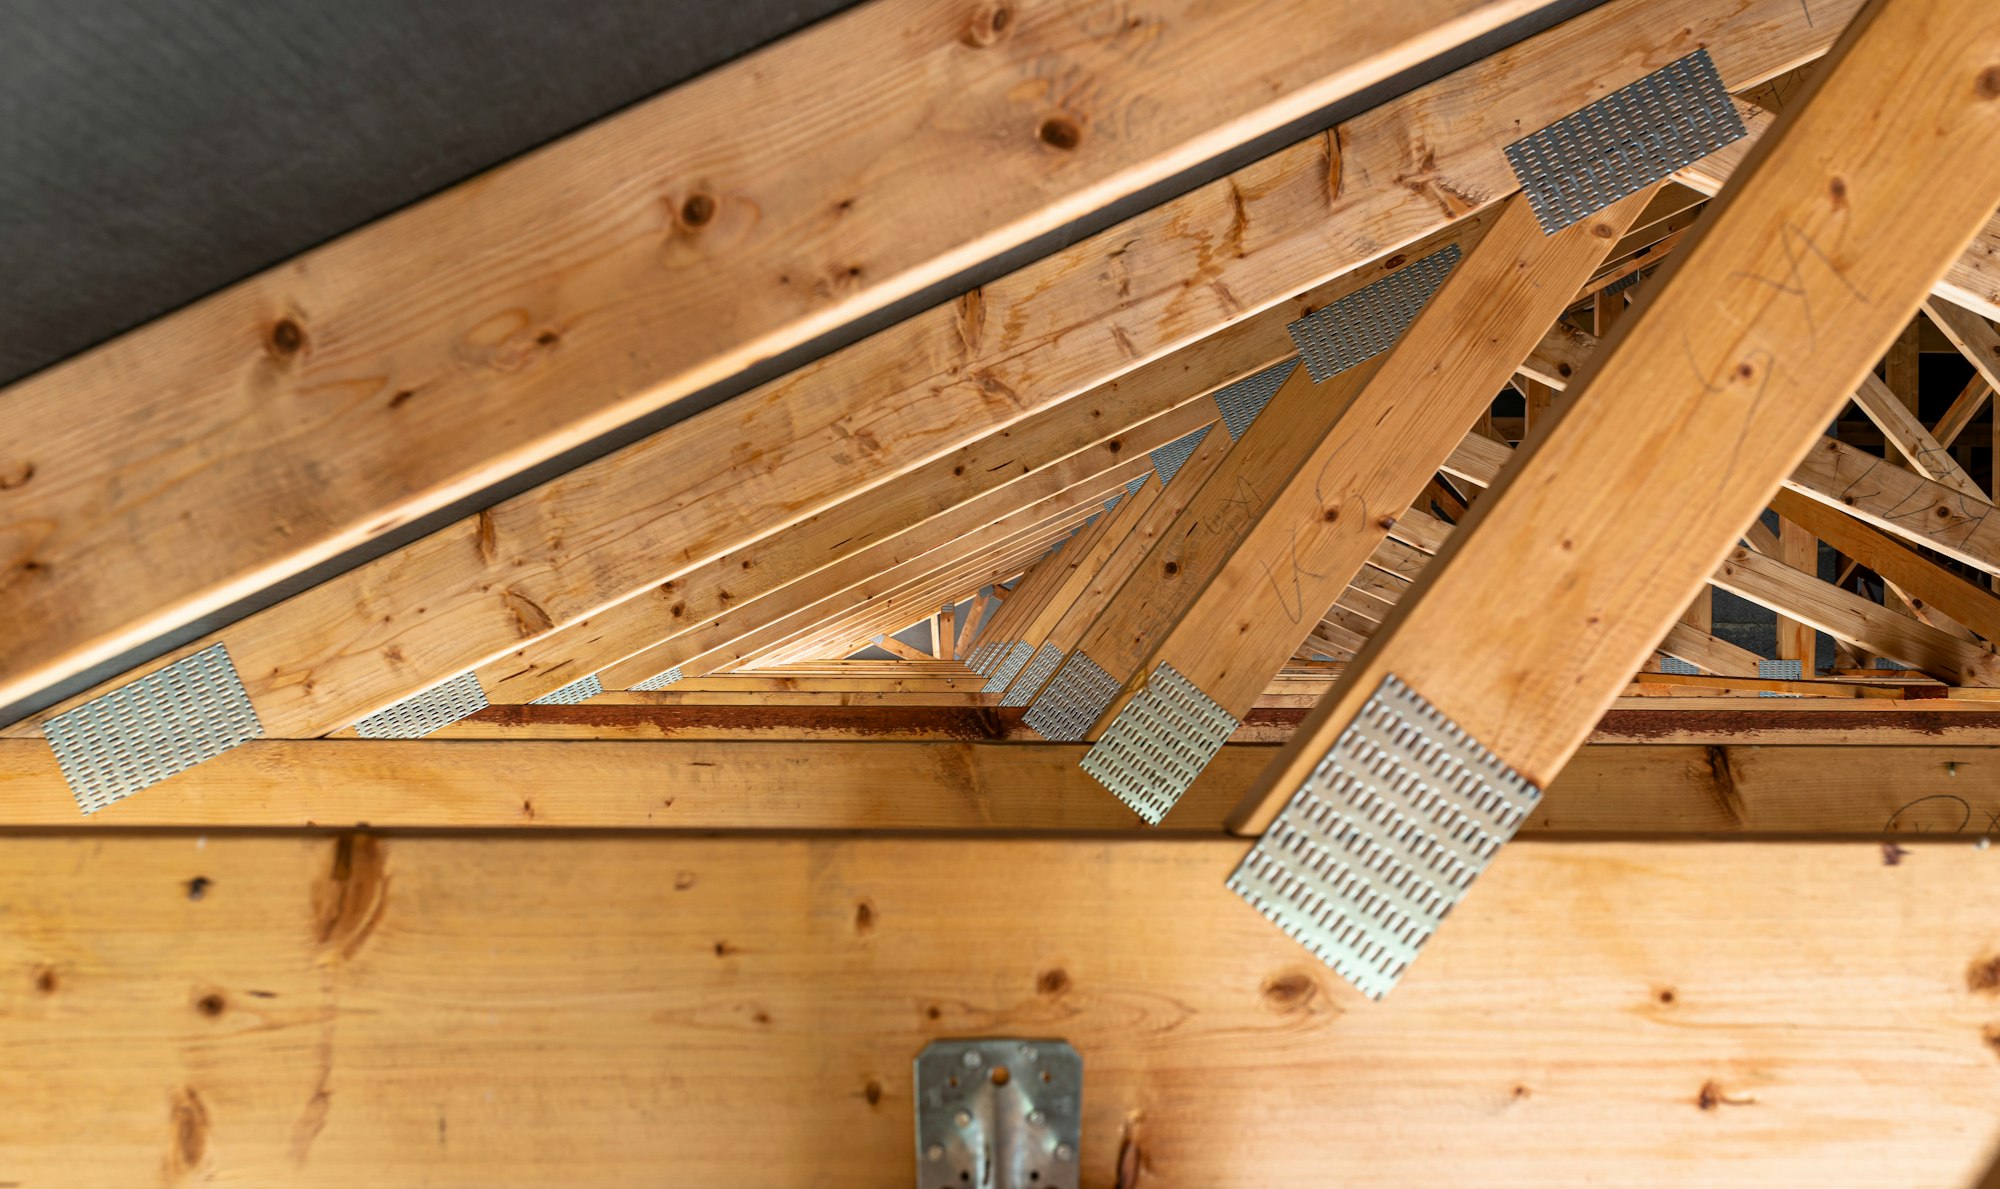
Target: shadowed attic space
x,y
1036,594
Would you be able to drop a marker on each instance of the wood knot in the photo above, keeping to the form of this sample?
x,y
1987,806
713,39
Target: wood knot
x,y
347,902
872,1091
1172,568
1983,976
286,339
46,980
211,1005
1059,132
988,24
864,918
16,474
697,210
1053,981
1291,991
1987,85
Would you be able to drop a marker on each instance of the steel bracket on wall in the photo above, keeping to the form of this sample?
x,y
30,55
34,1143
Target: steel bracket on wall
x,y
1003,1113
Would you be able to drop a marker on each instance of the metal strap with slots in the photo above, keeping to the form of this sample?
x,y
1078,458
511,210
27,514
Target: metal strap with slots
x,y
1635,136
1242,401
1384,838
582,689
1009,665
1674,664
1076,697
1369,320
1168,459
162,724
1771,670
660,680
1159,743
420,714
1021,691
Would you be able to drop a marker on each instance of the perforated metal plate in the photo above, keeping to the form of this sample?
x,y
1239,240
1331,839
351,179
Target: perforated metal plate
x,y
1168,459
1369,320
1674,664
978,658
1133,487
162,724
660,680
1780,671
998,1114
1074,698
581,690
1021,691
1159,743
1624,142
1242,401
1008,667
420,714
1384,838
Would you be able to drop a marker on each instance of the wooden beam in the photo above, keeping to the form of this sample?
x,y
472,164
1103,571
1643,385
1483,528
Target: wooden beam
x,y
1312,535
1900,503
1899,367
1797,641
1900,427
377,379
1030,340
938,503
1974,337
360,1010
1124,561
975,618
895,647
1972,280
1799,275
971,560
969,786
1923,581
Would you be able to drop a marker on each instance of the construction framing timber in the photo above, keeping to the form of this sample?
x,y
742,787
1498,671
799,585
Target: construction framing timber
x,y
1431,613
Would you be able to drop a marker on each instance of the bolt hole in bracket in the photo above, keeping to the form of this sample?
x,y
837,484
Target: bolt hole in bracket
x,y
998,1114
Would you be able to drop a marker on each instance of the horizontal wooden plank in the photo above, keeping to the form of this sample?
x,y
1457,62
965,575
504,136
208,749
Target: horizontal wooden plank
x,y
309,1011
1658,789
380,377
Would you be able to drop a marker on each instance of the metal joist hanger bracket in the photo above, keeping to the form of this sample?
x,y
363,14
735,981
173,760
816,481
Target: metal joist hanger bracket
x,y
999,1114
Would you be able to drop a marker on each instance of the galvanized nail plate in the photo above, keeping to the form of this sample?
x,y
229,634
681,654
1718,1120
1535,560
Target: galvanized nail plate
x,y
1384,838
162,724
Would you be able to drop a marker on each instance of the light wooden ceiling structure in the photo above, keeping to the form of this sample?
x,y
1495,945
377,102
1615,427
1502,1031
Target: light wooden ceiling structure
x,y
689,921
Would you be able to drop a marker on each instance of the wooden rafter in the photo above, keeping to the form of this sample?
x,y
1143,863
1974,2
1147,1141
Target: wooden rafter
x,y
381,377
1794,284
327,657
